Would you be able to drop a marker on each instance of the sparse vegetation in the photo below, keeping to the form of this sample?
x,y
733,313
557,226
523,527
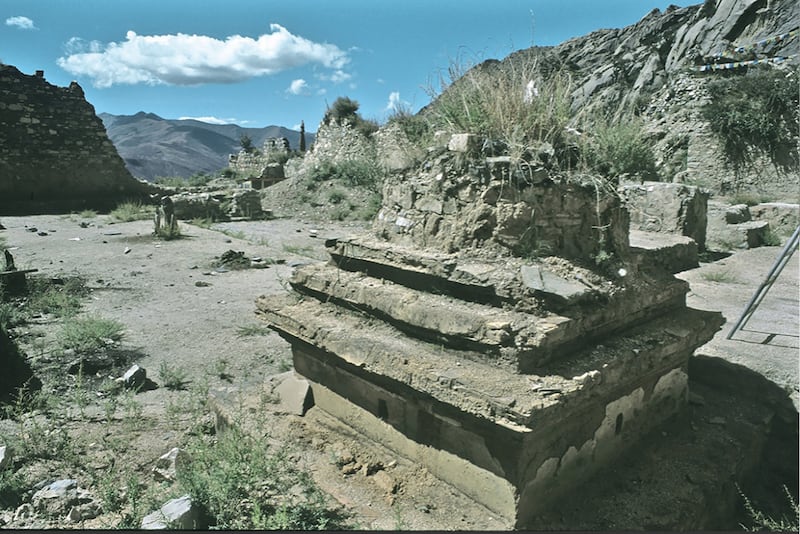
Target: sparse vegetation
x,y
345,111
196,180
88,334
761,522
172,377
60,297
619,147
364,172
169,232
720,277
244,483
755,115
132,211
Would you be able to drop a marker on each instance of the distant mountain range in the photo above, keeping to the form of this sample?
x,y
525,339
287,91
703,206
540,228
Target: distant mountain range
x,y
152,146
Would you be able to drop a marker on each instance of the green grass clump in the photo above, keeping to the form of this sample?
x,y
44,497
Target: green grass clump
x,y
169,232
754,115
252,330
60,297
364,172
245,484
172,378
89,334
132,211
719,277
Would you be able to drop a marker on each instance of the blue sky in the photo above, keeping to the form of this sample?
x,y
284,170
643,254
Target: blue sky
x,y
263,62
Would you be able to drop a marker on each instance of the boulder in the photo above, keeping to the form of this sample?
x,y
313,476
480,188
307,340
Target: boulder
x,y
61,496
668,208
294,392
5,456
167,466
737,214
783,217
134,377
180,513
464,143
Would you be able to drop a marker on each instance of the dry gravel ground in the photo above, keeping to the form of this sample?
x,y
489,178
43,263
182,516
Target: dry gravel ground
x,y
681,477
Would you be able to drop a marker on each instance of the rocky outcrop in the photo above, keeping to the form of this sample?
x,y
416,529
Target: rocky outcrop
x,y
653,67
54,151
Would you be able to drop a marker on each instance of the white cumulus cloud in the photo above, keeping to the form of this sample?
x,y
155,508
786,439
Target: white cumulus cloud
x,y
395,103
23,23
210,120
182,59
298,87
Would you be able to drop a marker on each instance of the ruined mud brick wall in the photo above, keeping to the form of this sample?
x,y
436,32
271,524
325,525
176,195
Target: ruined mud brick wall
x,y
53,147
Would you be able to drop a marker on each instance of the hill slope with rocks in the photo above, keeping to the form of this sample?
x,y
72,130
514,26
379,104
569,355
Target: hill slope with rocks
x,y
666,69
152,146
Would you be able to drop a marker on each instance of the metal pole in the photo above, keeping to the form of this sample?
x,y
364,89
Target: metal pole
x,y
762,290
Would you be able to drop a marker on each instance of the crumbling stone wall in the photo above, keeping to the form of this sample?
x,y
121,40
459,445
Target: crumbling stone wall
x,y
668,208
255,164
462,201
54,150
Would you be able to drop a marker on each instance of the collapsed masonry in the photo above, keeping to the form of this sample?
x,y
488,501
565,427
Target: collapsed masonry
x,y
494,328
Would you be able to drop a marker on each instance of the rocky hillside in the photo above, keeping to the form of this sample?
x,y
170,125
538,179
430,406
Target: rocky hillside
x,y
152,146
663,68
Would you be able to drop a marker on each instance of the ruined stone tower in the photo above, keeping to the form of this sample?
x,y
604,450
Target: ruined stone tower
x,y
493,327
54,150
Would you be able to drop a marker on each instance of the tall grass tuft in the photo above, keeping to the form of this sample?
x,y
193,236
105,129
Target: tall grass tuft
x,y
132,211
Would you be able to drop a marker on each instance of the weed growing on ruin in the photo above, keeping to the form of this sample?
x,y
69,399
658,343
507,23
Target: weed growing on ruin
x,y
169,232
243,483
172,378
89,334
772,239
720,277
132,211
619,148
760,522
755,115
357,172
252,330
510,102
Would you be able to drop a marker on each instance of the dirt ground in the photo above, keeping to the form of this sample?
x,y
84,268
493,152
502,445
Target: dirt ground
x,y
179,309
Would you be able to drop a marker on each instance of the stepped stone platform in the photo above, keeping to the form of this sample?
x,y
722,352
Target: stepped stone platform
x,y
513,377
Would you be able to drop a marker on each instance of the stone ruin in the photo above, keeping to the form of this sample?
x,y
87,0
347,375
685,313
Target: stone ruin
x,y
495,327
260,168
218,205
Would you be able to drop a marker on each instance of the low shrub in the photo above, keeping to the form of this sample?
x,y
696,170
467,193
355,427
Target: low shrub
x,y
132,211
243,483
88,334
755,115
